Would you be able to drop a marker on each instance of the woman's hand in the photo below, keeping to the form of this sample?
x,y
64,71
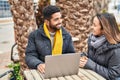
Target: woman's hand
x,y
83,61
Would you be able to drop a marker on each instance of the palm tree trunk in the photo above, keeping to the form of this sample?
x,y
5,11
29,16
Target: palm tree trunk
x,y
77,15
77,19
38,13
24,23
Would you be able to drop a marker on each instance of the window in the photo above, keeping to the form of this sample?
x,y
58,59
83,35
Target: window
x,y
4,9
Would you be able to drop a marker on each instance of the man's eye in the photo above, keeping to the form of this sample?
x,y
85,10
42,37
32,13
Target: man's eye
x,y
55,19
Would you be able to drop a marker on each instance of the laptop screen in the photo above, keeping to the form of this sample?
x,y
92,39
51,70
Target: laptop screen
x,y
61,65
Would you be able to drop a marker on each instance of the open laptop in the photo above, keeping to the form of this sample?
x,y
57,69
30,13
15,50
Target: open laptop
x,y
61,65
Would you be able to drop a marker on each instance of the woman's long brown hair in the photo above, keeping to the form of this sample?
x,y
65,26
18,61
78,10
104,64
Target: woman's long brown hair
x,y
110,27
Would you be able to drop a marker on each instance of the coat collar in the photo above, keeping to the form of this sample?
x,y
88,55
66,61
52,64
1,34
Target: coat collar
x,y
107,46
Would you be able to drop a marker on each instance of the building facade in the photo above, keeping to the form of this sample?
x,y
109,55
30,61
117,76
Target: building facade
x,y
4,9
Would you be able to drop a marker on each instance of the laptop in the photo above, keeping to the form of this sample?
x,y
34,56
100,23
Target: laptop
x,y
61,65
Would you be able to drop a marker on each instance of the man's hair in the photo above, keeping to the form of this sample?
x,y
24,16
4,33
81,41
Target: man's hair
x,y
49,10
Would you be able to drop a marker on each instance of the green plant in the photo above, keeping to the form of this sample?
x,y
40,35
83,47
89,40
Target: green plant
x,y
104,10
16,71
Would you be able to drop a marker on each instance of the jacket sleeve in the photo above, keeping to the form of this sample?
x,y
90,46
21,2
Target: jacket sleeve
x,y
70,48
31,53
110,72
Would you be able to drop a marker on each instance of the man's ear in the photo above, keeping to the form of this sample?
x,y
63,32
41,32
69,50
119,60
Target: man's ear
x,y
47,22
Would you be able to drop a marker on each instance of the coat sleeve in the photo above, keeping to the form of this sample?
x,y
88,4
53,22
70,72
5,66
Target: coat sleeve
x,y
110,72
31,53
70,47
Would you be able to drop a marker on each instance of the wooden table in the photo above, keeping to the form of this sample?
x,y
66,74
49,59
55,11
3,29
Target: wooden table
x,y
83,74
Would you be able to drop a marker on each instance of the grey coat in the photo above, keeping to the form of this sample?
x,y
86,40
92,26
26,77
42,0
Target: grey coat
x,y
39,46
105,60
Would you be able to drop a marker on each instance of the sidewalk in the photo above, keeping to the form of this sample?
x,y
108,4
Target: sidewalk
x,y
6,35
6,42
6,20
4,61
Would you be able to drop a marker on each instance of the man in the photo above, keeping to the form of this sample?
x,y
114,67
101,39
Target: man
x,y
50,39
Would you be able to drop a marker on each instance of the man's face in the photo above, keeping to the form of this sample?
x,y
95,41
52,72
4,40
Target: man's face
x,y
55,22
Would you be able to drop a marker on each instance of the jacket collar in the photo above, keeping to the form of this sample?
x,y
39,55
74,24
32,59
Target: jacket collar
x,y
41,30
107,46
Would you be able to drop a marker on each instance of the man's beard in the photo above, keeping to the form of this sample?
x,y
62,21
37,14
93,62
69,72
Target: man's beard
x,y
54,27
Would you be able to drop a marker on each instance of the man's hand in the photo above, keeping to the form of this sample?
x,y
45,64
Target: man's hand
x,y
41,68
83,61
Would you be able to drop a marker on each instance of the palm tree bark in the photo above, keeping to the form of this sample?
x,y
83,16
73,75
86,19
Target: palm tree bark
x,y
24,23
38,13
77,15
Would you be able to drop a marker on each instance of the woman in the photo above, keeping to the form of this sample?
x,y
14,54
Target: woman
x,y
103,54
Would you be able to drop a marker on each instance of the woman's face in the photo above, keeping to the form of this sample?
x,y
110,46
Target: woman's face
x,y
97,31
